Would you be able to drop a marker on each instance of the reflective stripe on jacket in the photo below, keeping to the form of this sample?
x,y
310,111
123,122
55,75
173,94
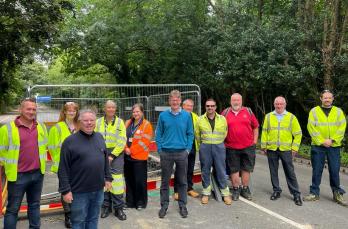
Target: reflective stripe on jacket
x,y
204,133
141,140
322,127
57,134
9,148
285,134
114,134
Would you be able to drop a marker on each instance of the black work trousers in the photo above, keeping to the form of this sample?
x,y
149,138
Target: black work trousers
x,y
135,174
273,162
167,162
191,159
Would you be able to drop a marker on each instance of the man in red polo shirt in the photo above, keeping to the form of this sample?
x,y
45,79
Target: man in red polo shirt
x,y
240,144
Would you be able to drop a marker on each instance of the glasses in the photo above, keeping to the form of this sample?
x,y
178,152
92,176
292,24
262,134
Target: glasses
x,y
210,105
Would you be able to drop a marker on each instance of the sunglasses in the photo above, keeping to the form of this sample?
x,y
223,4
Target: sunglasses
x,y
210,105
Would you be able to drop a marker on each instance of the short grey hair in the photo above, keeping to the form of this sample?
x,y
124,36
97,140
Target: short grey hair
x,y
175,93
85,111
110,102
188,100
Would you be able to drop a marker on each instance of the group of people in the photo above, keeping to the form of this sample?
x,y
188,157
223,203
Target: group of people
x,y
226,142
93,157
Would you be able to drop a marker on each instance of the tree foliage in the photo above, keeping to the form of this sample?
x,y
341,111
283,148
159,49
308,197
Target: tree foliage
x,y
258,48
26,28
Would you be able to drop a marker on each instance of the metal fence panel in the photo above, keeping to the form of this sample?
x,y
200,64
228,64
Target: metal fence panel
x,y
154,97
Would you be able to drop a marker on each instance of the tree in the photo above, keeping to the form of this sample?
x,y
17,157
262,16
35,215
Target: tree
x,y
26,28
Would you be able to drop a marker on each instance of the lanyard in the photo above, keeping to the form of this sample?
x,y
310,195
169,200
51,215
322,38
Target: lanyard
x,y
70,130
135,127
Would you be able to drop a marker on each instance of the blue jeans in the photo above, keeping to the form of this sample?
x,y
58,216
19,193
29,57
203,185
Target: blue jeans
x,y
31,184
318,155
85,209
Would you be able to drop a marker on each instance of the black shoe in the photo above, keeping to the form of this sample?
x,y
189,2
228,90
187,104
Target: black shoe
x,y
105,212
162,212
183,212
275,195
67,220
120,214
140,208
235,193
297,200
245,192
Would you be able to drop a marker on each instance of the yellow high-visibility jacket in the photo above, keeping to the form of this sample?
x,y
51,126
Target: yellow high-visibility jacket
x,y
58,133
9,148
284,135
204,133
322,127
195,126
114,134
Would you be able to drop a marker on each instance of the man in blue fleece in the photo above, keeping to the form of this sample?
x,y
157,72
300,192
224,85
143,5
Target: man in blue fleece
x,y
174,138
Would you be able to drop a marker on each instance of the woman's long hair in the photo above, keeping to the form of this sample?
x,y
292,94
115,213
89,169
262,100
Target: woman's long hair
x,y
67,105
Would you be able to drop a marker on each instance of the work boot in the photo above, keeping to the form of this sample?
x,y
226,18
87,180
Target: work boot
x,y
311,197
275,196
120,214
67,220
105,212
235,193
176,196
338,198
205,199
193,193
162,212
227,200
183,212
245,192
297,200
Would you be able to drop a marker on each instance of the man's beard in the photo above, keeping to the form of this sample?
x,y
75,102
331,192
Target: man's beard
x,y
236,107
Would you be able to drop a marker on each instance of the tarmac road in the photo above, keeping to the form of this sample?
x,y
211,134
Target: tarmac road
x,y
260,213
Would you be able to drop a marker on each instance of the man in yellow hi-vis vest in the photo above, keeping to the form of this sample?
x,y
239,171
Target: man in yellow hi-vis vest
x,y
114,132
280,139
23,145
326,125
210,134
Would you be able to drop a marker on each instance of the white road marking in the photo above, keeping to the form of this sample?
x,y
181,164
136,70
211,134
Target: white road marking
x,y
276,215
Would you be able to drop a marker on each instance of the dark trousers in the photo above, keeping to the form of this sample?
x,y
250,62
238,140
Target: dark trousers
x,y
191,159
318,155
135,174
273,162
112,200
29,183
167,162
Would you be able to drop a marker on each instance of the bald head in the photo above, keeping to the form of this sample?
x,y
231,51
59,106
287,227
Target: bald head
x,y
279,104
236,101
